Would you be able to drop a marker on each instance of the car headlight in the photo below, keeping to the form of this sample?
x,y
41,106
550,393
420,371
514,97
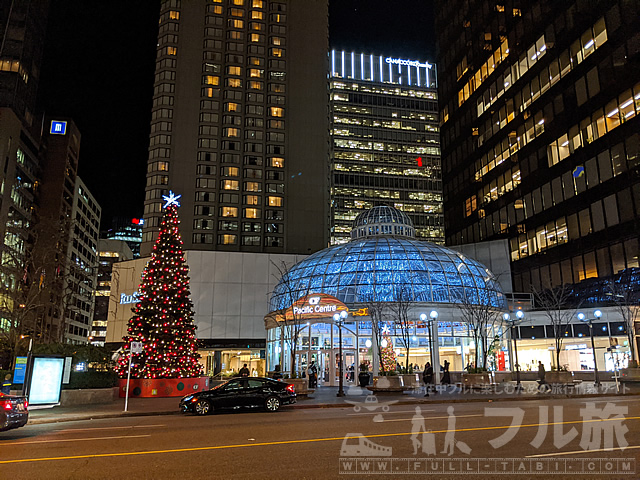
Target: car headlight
x,y
187,398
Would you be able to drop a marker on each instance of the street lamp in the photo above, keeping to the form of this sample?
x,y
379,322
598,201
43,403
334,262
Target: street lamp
x,y
512,325
338,318
582,318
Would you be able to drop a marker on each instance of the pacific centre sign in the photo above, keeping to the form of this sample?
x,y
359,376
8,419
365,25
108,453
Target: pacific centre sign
x,y
312,306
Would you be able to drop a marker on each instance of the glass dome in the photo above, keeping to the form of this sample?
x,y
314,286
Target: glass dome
x,y
382,220
371,268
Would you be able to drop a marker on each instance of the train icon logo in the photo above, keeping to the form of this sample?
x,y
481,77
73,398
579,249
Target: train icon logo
x,y
357,445
370,404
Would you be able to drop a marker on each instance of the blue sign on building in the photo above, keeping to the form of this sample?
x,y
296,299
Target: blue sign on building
x,y
58,127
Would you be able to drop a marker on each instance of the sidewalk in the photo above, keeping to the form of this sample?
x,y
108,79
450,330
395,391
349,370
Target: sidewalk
x,y
325,397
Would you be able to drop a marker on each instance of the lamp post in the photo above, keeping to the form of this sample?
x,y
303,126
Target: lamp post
x,y
338,318
435,361
582,318
512,325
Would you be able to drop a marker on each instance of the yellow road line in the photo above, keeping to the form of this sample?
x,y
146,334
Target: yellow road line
x,y
292,442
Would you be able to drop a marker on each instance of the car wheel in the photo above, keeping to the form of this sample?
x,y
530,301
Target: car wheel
x,y
272,404
202,407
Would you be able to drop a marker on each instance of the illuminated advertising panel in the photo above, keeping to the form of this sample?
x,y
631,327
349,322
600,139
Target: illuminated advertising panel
x,y
46,380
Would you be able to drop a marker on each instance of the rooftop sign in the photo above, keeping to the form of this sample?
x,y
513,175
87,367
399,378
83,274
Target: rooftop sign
x,y
410,63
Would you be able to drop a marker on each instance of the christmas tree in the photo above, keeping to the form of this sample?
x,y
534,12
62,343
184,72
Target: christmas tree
x,y
163,316
387,355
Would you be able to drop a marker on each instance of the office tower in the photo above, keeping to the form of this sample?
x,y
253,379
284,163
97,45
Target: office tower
x,y
539,103
81,265
240,125
385,147
23,26
128,230
109,252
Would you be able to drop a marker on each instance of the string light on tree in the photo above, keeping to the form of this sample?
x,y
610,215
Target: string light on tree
x,y
163,316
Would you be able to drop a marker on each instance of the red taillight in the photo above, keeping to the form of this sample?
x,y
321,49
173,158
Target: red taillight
x,y
25,404
291,388
7,405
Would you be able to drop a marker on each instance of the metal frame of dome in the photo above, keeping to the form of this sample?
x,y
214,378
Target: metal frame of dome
x,y
382,220
373,268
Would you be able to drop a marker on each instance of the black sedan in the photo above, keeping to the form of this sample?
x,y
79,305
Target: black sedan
x,y
240,393
13,412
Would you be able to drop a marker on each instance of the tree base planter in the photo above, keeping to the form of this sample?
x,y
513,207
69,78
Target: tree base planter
x,y
628,375
162,387
363,379
388,384
559,378
476,380
502,377
88,396
301,385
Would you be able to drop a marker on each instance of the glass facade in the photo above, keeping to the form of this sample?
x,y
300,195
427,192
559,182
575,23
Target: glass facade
x,y
540,134
385,147
379,265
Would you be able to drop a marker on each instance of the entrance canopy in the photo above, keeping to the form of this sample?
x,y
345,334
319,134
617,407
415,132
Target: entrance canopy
x,y
309,307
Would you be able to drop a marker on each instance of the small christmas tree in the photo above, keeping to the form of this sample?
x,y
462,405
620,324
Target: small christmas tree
x,y
387,355
163,316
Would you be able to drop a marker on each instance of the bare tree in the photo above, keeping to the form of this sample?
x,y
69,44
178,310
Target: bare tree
x,y
557,304
289,321
627,303
482,318
377,310
399,309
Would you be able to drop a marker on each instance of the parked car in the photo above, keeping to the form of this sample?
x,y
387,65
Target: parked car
x,y
13,412
248,392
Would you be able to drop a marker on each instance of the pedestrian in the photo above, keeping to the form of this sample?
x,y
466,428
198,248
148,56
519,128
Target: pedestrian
x,y
541,372
277,373
313,374
446,377
427,378
6,385
254,373
244,371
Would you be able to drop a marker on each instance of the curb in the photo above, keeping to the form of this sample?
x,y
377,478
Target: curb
x,y
298,406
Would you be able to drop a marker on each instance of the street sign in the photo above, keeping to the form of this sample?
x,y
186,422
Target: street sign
x,y
136,347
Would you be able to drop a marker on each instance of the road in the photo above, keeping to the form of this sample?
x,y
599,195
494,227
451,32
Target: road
x,y
307,443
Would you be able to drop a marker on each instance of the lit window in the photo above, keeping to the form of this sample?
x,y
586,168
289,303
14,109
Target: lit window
x,y
236,23
256,4
237,12
251,213
173,15
277,52
277,162
256,15
254,85
229,212
230,171
211,80
231,132
232,107
251,187
256,37
238,2
274,201
234,82
172,50
227,239
277,41
234,71
277,111
209,92
256,73
251,200
230,185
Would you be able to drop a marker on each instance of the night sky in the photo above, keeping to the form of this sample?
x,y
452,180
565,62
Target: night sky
x,y
99,65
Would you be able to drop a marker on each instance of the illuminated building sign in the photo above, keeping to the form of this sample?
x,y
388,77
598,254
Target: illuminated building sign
x,y
137,221
410,63
315,305
133,298
58,127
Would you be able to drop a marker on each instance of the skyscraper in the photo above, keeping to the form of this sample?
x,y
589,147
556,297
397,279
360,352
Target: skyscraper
x,y
539,103
385,147
239,125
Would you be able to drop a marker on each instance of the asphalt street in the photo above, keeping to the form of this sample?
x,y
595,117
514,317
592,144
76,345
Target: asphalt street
x,y
311,443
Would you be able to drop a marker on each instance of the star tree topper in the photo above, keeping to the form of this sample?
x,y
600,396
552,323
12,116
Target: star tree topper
x,y
171,199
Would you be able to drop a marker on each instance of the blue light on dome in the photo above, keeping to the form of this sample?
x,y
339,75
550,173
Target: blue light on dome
x,y
374,267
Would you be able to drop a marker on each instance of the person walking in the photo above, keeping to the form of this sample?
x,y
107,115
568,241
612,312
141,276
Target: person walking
x,y
6,385
446,377
313,374
427,378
